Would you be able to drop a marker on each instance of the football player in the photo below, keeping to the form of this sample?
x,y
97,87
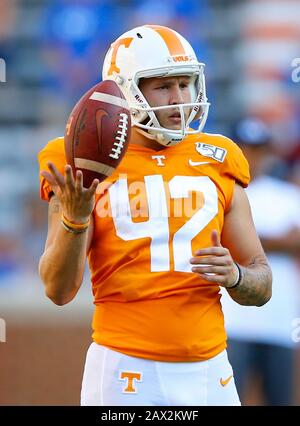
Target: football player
x,y
156,262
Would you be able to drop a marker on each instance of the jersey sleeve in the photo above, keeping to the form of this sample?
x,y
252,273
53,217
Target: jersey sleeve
x,y
236,166
54,151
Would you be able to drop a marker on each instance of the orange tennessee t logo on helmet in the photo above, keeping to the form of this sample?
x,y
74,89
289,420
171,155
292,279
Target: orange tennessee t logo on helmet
x,y
115,46
130,377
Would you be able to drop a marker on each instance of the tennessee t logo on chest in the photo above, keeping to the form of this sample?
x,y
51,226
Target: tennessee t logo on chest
x,y
159,159
130,378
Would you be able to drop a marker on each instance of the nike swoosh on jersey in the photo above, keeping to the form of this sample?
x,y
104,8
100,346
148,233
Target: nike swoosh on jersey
x,y
198,163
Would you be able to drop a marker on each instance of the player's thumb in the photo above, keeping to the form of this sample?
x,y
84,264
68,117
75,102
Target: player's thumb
x,y
215,238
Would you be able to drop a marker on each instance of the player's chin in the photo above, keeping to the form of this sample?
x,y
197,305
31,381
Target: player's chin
x,y
173,126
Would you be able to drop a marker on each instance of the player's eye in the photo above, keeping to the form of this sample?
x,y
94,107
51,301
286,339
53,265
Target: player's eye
x,y
162,87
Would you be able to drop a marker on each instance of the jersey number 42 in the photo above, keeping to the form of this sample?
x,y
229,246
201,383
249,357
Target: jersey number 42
x,y
157,226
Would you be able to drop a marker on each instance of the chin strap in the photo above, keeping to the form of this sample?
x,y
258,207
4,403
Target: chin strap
x,y
163,139
145,133
167,140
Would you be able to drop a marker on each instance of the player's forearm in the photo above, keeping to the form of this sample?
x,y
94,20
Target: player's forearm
x,y
62,265
255,288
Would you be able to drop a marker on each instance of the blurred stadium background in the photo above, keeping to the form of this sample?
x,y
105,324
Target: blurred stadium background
x,y
53,51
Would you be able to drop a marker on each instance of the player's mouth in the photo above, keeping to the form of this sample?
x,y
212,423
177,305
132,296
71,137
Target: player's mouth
x,y
175,118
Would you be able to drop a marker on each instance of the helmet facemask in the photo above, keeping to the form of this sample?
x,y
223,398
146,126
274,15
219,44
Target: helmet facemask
x,y
144,116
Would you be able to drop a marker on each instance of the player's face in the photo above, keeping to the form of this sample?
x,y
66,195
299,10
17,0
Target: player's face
x,y
167,91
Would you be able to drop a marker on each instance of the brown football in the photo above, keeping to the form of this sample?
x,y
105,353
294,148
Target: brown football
x,y
98,132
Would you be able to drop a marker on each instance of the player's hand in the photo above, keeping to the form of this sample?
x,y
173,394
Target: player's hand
x,y
215,263
77,202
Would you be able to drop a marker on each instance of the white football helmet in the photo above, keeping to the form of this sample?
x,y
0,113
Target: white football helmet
x,y
157,51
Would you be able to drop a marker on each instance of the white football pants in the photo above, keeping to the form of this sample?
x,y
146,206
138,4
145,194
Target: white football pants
x,y
112,378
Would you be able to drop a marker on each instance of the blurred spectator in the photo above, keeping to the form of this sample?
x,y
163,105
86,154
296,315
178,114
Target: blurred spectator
x,y
7,18
7,24
294,174
260,339
270,38
10,257
34,230
22,242
75,39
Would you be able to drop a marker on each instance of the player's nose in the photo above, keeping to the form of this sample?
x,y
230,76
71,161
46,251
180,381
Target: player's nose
x,y
176,96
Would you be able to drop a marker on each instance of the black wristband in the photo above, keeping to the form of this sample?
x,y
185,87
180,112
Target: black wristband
x,y
239,278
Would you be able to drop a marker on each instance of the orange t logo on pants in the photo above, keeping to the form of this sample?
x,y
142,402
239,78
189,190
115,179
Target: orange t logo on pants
x,y
130,378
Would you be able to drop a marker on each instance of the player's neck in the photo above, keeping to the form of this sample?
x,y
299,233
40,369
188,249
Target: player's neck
x,y
140,137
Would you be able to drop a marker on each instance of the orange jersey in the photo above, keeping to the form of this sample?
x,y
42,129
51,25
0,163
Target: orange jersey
x,y
161,206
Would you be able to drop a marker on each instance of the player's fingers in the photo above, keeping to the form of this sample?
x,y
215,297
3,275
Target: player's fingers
x,y
79,181
209,269
92,189
214,251
57,176
49,178
69,176
217,260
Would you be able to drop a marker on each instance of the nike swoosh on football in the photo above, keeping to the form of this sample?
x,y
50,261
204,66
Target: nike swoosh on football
x,y
198,163
225,382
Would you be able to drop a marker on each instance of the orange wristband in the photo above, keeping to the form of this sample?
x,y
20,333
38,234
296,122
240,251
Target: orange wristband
x,y
75,226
